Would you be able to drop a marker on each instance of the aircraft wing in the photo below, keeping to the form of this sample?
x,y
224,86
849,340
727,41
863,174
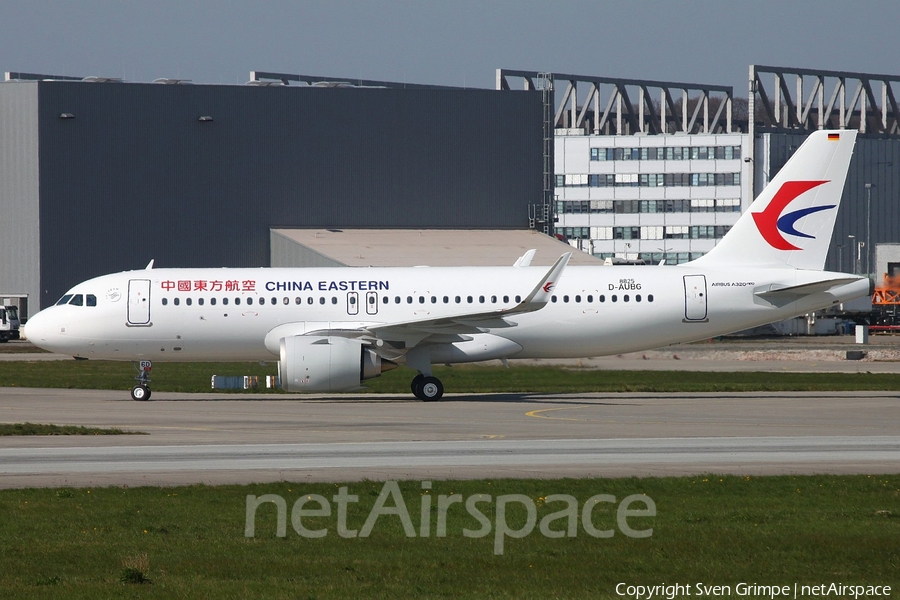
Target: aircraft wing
x,y
450,328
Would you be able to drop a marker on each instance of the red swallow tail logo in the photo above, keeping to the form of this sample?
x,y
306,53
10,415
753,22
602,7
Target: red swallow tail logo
x,y
772,224
548,287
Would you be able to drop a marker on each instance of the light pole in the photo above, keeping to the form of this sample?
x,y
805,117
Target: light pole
x,y
868,187
852,238
840,249
859,249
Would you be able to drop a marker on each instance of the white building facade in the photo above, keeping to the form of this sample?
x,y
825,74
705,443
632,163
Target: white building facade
x,y
649,197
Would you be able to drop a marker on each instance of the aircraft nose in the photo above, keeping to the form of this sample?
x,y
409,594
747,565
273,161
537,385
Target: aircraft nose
x,y
41,329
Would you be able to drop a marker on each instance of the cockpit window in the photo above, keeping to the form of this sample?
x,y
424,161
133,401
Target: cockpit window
x,y
77,300
91,300
64,300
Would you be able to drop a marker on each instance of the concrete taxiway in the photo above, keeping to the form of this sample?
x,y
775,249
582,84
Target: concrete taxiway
x,y
222,438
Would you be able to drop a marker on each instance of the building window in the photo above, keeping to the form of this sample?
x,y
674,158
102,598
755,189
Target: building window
x,y
667,153
626,233
647,179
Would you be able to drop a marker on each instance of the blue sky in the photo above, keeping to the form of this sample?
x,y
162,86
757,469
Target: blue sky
x,y
458,43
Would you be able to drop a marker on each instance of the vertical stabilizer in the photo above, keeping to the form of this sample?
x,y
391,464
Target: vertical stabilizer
x,y
790,223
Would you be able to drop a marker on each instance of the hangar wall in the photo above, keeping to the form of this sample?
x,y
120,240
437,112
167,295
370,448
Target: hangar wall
x,y
196,175
19,226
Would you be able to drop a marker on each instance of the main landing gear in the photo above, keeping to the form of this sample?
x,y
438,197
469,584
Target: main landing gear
x,y
427,388
141,392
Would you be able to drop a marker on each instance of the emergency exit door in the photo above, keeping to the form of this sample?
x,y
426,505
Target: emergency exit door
x,y
695,297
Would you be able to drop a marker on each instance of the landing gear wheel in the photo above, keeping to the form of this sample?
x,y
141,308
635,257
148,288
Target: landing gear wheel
x,y
428,389
141,393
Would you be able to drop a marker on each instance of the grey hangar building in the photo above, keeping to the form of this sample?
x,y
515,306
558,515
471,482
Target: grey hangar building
x,y
100,175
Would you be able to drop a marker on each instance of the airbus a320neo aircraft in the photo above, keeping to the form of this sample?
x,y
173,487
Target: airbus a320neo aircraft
x,y
332,328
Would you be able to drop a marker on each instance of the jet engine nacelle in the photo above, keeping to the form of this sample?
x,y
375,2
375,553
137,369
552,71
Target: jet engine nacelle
x,y
325,364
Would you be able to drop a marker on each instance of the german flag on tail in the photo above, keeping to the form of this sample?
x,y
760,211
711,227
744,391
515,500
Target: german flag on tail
x,y
833,137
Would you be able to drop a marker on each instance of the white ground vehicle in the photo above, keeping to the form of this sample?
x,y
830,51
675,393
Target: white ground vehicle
x,y
9,323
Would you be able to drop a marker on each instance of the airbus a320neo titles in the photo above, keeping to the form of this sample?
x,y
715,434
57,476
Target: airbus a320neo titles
x,y
332,328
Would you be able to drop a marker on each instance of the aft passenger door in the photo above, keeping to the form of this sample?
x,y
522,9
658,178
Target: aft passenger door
x,y
695,298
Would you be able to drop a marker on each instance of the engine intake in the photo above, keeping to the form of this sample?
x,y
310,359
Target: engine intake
x,y
326,364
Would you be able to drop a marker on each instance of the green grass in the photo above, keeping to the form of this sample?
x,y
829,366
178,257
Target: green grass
x,y
44,429
189,542
195,377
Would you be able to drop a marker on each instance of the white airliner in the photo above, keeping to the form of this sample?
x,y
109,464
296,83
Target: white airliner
x,y
332,328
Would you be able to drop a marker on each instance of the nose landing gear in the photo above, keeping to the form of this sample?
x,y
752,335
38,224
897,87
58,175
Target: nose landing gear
x,y
141,392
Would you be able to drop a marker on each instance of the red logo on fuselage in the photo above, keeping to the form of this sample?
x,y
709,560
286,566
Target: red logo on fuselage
x,y
548,286
771,223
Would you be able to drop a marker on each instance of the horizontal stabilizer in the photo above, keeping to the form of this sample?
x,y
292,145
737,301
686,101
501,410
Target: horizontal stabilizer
x,y
805,289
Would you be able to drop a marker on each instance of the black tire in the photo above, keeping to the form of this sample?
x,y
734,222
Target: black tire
x,y
430,389
140,393
415,383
